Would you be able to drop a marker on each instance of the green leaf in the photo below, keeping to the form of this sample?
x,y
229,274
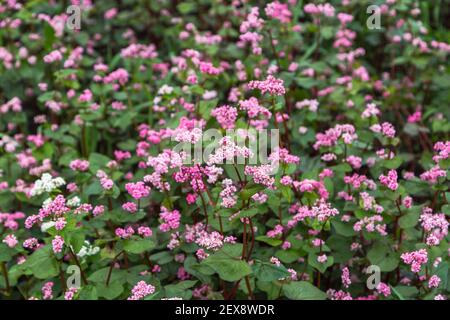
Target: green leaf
x,y
228,267
269,272
6,253
111,291
410,219
186,7
270,241
138,246
380,254
344,229
101,275
321,267
302,290
97,161
180,289
249,212
88,293
43,263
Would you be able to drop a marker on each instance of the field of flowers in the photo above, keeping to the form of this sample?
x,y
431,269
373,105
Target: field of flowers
x,y
224,149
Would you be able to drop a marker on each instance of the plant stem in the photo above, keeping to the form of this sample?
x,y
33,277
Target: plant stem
x,y
5,275
74,256
108,278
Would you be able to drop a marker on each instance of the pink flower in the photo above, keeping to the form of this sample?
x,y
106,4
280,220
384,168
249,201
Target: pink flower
x,y
70,293
171,219
279,11
130,207
390,180
137,190
383,289
345,277
415,259
145,232
47,290
57,244
10,240
141,290
98,210
271,85
322,258
434,281
225,115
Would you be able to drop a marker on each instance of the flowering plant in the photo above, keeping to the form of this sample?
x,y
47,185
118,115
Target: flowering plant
x,y
130,150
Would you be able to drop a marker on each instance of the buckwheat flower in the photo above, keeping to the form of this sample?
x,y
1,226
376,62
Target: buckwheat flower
x,y
323,210
390,180
279,11
70,293
211,241
86,96
106,183
415,259
329,157
371,224
277,230
440,297
73,202
117,105
271,85
79,165
322,258
311,104
46,184
137,190
53,56
435,226
434,281
201,254
407,202
57,244
72,187
98,210
30,243
88,250
338,295
111,13
10,240
130,207
383,289
145,232
141,290
226,116
227,195
60,223
433,175
191,198
345,277
275,261
355,246
47,290
209,95
124,233
437,261
261,175
260,197
208,68
171,219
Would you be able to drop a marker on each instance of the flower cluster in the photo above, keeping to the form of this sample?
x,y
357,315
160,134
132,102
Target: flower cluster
x,y
224,150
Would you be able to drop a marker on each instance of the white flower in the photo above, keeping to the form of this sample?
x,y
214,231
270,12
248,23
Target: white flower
x,y
47,225
165,89
88,250
74,202
46,184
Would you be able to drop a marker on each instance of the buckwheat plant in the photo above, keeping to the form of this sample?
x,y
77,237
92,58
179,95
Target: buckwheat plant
x,y
106,194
